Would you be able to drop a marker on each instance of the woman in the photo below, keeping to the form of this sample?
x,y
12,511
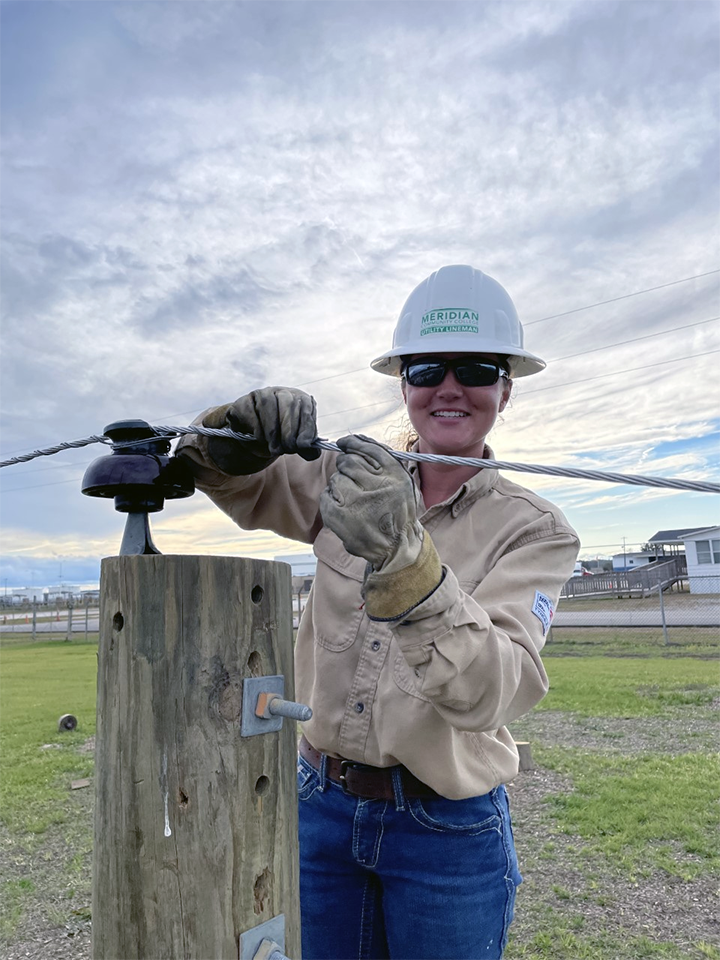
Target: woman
x,y
421,640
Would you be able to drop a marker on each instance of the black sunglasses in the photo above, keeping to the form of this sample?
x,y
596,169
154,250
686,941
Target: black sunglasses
x,y
470,372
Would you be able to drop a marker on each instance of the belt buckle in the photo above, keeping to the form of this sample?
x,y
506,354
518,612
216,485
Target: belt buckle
x,y
344,766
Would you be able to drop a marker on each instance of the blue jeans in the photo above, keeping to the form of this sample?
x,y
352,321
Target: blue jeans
x,y
406,879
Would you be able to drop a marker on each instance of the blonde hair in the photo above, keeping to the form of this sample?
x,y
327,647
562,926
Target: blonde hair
x,y
402,435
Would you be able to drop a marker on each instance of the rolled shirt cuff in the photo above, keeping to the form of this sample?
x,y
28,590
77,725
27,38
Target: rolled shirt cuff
x,y
391,596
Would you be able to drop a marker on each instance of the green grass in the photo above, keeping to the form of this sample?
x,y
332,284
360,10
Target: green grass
x,y
38,684
563,939
13,895
607,687
625,816
635,810
25,639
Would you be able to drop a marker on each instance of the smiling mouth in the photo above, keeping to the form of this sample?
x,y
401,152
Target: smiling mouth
x,y
449,414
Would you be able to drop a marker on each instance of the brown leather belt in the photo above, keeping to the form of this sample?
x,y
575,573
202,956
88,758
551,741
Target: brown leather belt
x,y
361,780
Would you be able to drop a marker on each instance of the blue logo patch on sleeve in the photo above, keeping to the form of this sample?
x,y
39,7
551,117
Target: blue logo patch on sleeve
x,y
543,609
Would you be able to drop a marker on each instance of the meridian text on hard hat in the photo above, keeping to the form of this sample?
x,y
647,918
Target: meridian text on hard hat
x,y
449,321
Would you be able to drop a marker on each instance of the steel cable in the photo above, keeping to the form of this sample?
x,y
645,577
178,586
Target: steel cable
x,y
671,483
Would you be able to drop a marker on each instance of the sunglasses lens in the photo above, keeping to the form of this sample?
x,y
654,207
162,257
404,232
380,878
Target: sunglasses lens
x,y
475,374
470,373
422,374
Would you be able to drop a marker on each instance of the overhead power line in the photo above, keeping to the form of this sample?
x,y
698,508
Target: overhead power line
x,y
623,343
347,373
529,323
598,546
35,486
525,393
625,296
620,343
616,373
566,357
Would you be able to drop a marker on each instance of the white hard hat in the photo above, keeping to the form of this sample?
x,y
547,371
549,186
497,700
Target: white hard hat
x,y
459,309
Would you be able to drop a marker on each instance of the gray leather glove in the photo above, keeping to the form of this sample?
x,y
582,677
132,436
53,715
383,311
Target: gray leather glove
x,y
281,419
370,504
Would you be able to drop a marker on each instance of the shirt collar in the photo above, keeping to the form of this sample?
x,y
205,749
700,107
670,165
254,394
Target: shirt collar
x,y
477,486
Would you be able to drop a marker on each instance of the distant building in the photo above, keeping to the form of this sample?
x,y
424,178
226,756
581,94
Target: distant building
x,y
631,560
303,564
598,564
671,542
702,549
14,595
663,545
61,591
303,573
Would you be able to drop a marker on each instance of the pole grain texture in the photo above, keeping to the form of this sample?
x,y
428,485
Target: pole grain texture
x,y
195,826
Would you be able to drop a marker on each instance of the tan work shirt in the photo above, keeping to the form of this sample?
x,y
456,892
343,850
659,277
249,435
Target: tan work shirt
x,y
435,691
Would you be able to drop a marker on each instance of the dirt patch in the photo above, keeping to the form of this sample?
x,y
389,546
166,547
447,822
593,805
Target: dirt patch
x,y
48,877
692,730
52,944
560,876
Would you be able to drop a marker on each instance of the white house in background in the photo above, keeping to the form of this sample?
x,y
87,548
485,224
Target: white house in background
x,y
702,550
669,543
632,560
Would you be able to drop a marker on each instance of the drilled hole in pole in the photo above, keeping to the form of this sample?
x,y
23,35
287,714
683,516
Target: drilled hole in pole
x,y
256,594
261,786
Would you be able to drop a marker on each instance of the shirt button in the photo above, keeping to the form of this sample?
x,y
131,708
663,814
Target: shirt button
x,y
359,707
375,645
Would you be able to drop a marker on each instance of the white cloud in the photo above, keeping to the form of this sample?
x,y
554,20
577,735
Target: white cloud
x,y
203,198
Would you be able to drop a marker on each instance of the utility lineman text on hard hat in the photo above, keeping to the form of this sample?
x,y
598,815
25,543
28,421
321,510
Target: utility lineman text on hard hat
x,y
444,316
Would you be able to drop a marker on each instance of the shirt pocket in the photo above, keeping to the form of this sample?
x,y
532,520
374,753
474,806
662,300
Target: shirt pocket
x,y
336,604
308,779
406,678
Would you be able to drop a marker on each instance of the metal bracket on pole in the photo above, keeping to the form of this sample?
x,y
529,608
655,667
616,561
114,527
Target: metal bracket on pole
x,y
265,942
263,706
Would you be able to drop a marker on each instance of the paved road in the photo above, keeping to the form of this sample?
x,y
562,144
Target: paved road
x,y
702,617
53,626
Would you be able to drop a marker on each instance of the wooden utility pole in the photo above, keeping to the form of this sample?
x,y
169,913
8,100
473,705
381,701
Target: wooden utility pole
x,y
195,826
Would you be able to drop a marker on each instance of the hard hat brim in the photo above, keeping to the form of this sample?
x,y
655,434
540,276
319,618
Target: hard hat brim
x,y
522,362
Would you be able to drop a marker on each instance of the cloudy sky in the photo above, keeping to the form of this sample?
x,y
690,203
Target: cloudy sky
x,y
199,199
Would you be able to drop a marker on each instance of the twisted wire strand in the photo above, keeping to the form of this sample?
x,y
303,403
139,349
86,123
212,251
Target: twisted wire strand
x,y
169,432
48,451
537,468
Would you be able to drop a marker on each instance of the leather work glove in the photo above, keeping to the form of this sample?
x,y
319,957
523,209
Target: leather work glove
x,y
370,504
282,420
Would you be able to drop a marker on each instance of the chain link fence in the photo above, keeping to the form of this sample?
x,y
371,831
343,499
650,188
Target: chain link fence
x,y
666,609
683,609
60,619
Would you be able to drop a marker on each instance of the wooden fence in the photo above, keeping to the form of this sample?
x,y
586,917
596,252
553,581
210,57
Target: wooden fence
x,y
629,583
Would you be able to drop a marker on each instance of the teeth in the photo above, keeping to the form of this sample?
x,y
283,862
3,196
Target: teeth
x,y
449,413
